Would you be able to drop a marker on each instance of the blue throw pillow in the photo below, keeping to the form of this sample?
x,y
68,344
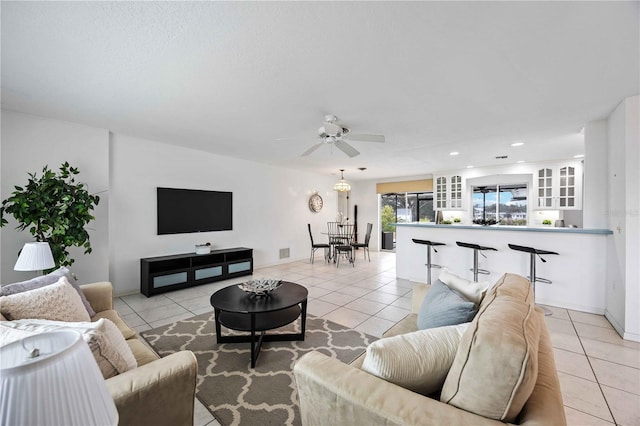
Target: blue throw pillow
x,y
443,306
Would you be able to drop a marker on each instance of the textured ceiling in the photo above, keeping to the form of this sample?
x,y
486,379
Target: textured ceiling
x,y
254,79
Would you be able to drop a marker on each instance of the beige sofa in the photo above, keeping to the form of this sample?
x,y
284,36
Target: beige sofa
x,y
332,392
160,391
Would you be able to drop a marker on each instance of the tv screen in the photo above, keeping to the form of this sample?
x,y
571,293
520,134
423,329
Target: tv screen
x,y
182,211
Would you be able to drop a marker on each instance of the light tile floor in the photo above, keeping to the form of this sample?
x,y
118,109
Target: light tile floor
x,y
599,372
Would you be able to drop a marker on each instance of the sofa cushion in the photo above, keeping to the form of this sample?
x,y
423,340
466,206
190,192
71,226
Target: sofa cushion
x,y
109,348
417,361
443,306
143,353
472,291
496,366
114,317
57,302
44,280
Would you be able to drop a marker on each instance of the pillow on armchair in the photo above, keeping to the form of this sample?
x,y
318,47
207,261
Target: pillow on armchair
x,y
443,306
57,302
471,290
44,280
418,361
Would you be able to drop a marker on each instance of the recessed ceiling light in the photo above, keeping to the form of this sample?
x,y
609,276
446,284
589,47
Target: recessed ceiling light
x,y
469,167
578,156
520,161
454,153
517,144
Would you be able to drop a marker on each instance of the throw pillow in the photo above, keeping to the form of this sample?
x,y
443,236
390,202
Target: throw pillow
x,y
417,361
110,350
57,302
443,306
471,290
51,278
496,366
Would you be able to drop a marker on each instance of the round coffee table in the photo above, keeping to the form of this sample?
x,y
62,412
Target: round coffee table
x,y
241,311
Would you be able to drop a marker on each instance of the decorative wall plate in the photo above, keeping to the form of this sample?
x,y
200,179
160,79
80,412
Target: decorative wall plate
x,y
315,203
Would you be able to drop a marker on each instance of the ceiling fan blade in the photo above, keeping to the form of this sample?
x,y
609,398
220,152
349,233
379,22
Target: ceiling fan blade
x,y
310,150
346,148
364,138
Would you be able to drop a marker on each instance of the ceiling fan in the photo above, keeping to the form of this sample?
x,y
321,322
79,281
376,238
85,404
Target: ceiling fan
x,y
333,133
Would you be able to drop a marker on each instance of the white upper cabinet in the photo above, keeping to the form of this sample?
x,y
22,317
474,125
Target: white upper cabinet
x,y
559,187
448,192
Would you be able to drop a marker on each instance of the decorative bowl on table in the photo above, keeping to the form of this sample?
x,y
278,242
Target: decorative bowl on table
x,y
260,287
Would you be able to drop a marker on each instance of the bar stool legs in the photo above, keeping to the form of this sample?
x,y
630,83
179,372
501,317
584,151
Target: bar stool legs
x,y
533,252
476,249
429,245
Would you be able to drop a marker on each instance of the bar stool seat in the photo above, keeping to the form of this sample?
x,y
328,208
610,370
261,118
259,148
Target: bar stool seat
x,y
476,249
429,244
533,252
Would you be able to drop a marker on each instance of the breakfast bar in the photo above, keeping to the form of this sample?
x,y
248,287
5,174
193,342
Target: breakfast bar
x,y
578,272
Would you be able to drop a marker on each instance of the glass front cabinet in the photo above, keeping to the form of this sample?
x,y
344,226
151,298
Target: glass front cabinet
x,y
559,187
448,192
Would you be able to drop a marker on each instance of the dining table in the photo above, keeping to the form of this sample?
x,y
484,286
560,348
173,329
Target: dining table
x,y
339,234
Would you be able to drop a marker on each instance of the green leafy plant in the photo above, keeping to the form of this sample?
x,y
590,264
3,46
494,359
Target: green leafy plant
x,y
457,220
546,222
387,218
446,222
54,208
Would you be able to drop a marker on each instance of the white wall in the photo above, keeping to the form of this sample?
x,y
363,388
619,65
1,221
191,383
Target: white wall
x,y
595,202
623,260
28,144
270,205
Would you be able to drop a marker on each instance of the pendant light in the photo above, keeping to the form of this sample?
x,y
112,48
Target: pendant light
x,y
342,185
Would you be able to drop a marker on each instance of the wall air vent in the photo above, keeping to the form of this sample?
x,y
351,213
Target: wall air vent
x,y
284,253
501,157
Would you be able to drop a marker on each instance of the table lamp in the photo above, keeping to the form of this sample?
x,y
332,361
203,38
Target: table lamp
x,y
52,379
35,257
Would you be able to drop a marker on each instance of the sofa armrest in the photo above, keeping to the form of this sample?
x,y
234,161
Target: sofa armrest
x,y
99,295
333,393
159,393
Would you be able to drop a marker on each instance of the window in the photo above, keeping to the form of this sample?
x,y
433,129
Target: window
x,y
503,204
406,207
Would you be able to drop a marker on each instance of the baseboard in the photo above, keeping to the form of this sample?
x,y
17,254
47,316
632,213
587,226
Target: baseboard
x,y
635,337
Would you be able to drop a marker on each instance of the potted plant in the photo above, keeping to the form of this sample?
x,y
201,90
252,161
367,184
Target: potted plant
x,y
546,222
457,220
54,208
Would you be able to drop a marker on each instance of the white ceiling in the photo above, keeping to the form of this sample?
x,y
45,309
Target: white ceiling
x,y
254,79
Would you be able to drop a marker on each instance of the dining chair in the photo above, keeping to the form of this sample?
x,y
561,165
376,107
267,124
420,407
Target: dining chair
x,y
365,245
315,247
343,247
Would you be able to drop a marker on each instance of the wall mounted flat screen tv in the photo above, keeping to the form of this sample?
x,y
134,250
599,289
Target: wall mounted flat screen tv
x,y
183,211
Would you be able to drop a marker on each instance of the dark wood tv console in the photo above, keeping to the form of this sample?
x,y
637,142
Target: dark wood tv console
x,y
168,273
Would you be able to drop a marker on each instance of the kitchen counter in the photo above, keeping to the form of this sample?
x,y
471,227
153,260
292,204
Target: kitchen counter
x,y
578,271
511,228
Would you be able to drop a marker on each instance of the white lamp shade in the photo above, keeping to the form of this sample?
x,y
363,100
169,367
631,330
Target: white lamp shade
x,y
35,257
342,186
61,386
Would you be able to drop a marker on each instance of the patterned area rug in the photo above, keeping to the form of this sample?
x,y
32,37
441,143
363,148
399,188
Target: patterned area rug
x,y
235,393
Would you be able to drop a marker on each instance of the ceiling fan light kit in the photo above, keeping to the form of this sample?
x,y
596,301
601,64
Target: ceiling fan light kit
x,y
342,185
333,133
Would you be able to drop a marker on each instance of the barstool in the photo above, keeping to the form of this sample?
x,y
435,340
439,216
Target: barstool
x,y
532,267
429,245
476,249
